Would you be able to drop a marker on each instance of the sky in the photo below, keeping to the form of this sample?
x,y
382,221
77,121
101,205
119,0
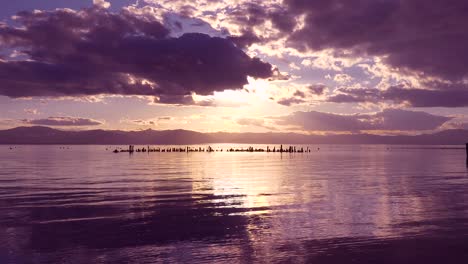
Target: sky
x,y
306,66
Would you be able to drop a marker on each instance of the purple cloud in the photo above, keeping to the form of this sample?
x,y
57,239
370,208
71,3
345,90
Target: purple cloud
x,y
63,121
290,101
250,17
299,94
415,35
388,119
244,40
412,97
317,89
94,51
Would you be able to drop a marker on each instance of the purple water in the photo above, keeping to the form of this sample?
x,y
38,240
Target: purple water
x,y
339,204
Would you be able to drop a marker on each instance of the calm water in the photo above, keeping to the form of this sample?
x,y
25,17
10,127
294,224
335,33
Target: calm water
x,y
339,204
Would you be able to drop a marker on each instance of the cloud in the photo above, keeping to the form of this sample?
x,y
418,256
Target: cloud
x,y
31,111
290,101
324,62
388,119
152,121
63,121
426,41
456,125
299,93
164,118
244,40
409,42
258,122
94,51
250,122
303,94
102,3
398,94
245,22
342,78
8,122
317,89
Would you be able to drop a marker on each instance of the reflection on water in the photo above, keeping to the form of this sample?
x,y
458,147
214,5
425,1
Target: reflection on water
x,y
339,204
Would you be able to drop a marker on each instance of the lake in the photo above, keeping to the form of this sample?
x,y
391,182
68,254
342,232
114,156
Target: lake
x,y
336,204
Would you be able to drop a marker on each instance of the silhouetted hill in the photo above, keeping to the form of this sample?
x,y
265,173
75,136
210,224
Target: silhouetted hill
x,y
46,135
448,137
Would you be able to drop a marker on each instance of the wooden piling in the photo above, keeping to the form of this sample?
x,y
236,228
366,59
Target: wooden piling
x,y
467,154
287,149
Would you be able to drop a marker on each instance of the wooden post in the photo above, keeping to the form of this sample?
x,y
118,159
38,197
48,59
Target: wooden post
x,y
467,154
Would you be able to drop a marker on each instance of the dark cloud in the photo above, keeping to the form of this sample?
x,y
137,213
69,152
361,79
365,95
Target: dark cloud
x,y
254,17
246,17
283,20
290,101
249,14
93,51
389,119
63,121
427,98
397,119
244,40
354,95
397,94
299,94
317,89
144,122
427,37
166,118
152,122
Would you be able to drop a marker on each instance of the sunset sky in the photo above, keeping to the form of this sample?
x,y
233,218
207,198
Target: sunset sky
x,y
307,66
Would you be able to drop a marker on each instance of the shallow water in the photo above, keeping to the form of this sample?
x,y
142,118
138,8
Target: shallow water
x,y
336,204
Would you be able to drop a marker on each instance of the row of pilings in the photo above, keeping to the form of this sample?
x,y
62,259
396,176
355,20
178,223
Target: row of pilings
x,y
290,149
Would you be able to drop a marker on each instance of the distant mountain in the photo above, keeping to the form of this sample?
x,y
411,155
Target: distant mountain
x,y
46,135
448,137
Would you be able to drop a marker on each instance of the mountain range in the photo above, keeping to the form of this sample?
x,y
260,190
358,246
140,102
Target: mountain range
x,y
46,135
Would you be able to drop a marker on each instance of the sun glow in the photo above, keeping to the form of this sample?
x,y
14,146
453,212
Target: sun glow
x,y
252,93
